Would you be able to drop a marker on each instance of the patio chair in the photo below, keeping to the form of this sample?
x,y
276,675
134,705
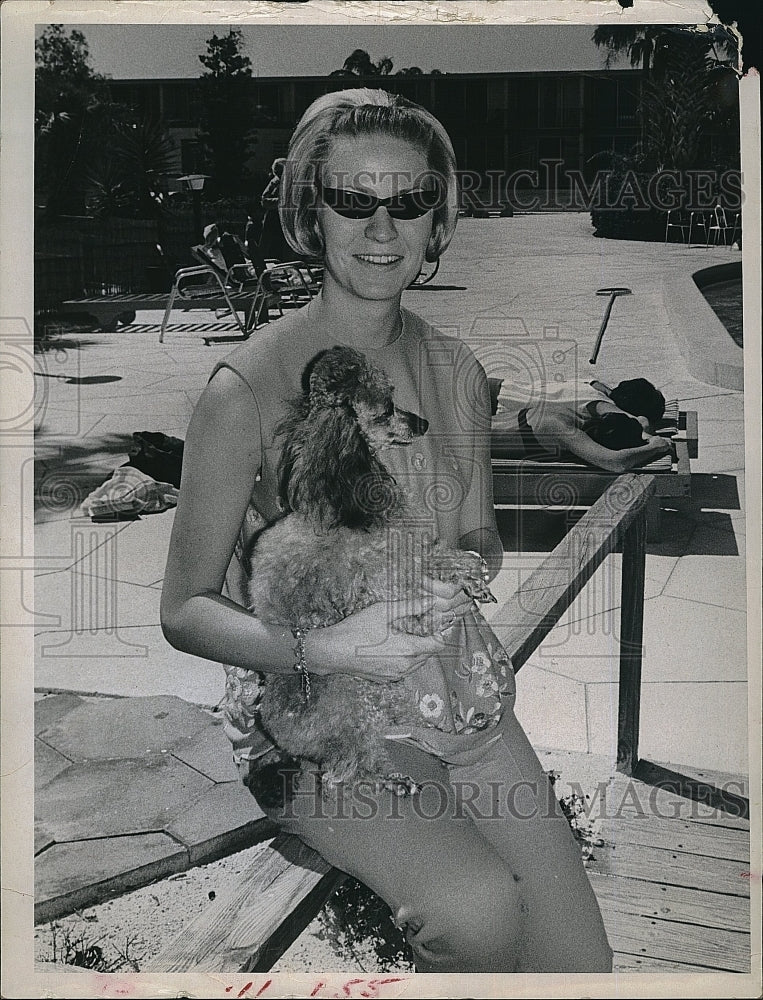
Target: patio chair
x,y
282,285
540,481
698,220
721,225
678,219
224,278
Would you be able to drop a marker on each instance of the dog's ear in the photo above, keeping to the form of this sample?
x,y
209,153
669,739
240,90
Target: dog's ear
x,y
334,377
328,471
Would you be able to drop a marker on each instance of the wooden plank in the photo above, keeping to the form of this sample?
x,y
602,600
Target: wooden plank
x,y
656,864
671,902
527,617
624,798
677,835
623,962
721,820
683,467
277,895
631,643
727,951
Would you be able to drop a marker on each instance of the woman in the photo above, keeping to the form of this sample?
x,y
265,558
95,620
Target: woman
x,y
479,866
608,428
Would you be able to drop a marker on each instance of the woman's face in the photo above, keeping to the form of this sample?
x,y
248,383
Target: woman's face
x,y
377,257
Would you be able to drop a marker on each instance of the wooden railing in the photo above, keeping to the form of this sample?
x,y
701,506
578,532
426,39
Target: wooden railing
x,y
286,884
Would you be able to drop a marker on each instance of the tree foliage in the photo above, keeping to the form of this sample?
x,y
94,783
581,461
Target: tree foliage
x,y
650,46
678,105
69,97
126,179
359,63
92,154
228,113
688,86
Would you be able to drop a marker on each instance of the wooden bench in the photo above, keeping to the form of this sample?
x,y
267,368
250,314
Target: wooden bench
x,y
286,884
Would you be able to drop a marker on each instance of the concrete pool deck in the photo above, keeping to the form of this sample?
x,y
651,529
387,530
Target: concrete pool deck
x,y
710,353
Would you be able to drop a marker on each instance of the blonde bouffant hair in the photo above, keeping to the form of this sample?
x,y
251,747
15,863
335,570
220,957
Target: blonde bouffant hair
x,y
352,113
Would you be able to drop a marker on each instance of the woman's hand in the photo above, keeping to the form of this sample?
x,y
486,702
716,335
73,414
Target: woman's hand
x,y
375,643
657,445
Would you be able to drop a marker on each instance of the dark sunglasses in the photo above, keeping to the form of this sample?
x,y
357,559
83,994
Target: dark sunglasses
x,y
362,205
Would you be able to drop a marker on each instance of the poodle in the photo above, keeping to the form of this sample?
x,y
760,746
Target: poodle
x,y
330,555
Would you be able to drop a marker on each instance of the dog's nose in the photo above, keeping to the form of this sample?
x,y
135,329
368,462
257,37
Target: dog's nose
x,y
418,425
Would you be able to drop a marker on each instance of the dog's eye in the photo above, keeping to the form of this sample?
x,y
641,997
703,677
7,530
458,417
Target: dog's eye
x,y
385,415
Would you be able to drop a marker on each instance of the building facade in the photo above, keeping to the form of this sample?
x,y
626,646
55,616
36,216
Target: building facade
x,y
533,128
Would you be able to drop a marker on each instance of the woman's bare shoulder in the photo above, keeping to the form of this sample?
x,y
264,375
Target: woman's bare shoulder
x,y
267,343
422,330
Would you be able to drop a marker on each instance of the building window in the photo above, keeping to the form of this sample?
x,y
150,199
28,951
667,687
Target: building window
x,y
191,160
181,106
627,106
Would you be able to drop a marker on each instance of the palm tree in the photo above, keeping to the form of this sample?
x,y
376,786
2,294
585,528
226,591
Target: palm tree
x,y
126,179
649,46
359,63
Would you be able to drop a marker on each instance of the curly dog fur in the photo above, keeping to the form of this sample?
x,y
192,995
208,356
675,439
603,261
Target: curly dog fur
x,y
330,556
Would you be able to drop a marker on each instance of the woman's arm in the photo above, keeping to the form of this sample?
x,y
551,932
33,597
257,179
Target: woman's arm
x,y
479,531
221,458
581,445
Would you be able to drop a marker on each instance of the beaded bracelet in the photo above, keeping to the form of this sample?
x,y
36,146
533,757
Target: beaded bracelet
x,y
300,664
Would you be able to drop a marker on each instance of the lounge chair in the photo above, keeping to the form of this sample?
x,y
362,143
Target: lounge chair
x,y
223,278
282,285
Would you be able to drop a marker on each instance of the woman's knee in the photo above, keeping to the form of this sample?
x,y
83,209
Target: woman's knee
x,y
481,930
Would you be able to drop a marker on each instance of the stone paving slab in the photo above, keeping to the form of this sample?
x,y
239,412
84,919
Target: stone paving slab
x,y
124,728
551,708
111,798
684,641
705,723
48,763
128,604
42,839
71,876
714,580
142,548
223,819
202,751
48,712
54,546
147,787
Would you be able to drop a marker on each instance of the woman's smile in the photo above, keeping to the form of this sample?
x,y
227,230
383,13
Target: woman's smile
x,y
379,260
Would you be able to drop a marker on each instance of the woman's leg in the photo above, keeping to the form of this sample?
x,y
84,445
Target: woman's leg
x,y
458,898
512,803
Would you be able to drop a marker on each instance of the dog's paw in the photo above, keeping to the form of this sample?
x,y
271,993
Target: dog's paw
x,y
467,568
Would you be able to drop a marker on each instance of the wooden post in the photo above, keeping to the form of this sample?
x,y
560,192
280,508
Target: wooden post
x,y
631,643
